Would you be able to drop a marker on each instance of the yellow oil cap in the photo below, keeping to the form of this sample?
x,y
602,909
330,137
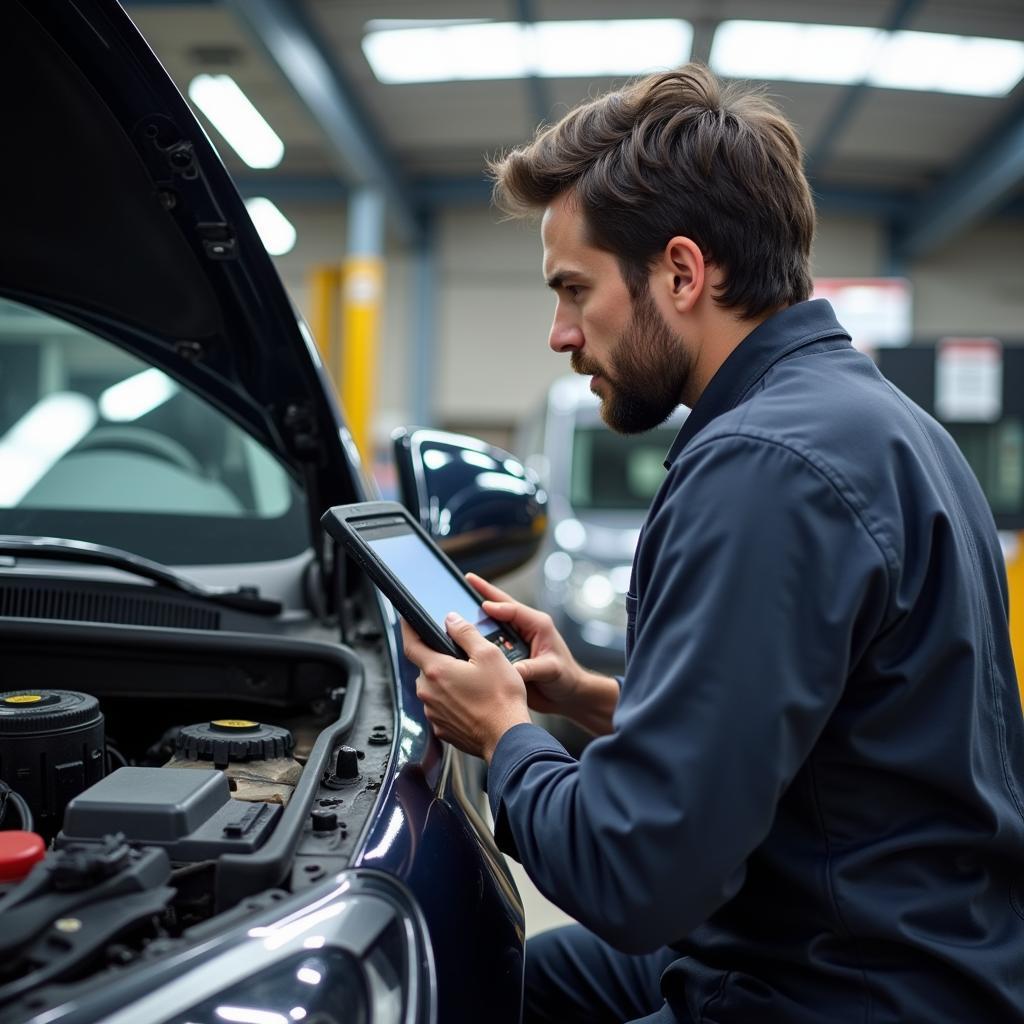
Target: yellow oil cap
x,y
234,723
24,698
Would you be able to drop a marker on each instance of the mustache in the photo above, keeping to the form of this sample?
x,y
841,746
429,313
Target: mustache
x,y
580,364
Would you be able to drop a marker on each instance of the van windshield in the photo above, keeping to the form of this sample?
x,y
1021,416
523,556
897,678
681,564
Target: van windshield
x,y
97,445
617,471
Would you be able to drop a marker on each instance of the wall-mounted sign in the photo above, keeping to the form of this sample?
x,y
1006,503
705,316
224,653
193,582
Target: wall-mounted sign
x,y
877,311
969,380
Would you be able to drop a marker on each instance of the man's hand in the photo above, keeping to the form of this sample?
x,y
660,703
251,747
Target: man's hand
x,y
470,704
552,675
556,683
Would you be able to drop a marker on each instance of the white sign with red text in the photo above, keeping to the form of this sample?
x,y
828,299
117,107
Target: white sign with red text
x,y
969,380
877,311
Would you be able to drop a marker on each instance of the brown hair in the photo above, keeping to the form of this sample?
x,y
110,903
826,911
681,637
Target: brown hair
x,y
678,153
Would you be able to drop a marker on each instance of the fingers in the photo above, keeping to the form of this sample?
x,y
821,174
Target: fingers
x,y
503,611
415,649
487,590
468,637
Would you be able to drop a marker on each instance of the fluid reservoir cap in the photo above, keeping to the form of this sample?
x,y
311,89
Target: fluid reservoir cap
x,y
233,739
19,852
39,711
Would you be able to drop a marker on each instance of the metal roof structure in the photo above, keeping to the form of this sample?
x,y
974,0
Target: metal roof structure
x,y
928,164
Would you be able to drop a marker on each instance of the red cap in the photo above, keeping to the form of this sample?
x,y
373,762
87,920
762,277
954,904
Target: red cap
x,y
19,852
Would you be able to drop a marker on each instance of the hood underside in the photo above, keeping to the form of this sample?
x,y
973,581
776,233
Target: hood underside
x,y
119,215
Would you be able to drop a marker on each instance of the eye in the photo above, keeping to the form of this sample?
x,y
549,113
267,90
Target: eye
x,y
574,290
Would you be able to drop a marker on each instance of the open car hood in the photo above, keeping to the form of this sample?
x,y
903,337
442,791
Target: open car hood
x,y
118,214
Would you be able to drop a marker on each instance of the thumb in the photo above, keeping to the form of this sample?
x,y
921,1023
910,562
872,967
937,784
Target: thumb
x,y
466,635
527,670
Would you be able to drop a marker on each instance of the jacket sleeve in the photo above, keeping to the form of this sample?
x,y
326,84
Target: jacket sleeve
x,y
758,586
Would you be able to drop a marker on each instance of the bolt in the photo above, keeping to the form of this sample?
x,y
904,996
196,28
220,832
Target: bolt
x,y
324,821
379,736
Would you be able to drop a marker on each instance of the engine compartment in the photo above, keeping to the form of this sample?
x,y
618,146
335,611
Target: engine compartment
x,y
205,773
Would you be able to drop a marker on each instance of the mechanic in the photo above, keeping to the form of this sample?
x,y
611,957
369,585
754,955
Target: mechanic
x,y
804,801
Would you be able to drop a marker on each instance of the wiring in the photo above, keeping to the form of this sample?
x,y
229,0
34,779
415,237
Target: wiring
x,y
9,796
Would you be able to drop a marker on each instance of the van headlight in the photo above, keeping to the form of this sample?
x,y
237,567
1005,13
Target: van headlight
x,y
595,593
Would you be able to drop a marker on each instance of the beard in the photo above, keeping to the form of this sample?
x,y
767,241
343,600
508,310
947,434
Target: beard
x,y
647,373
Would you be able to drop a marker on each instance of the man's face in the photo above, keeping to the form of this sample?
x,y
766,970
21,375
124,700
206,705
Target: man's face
x,y
639,366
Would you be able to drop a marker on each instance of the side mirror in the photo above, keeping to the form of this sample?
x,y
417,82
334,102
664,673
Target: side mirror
x,y
482,505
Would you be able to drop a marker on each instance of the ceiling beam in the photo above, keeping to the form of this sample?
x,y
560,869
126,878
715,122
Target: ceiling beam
x,y
704,27
538,90
978,185
294,44
853,96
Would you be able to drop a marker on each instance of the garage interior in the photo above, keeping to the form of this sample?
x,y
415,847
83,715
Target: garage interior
x,y
919,188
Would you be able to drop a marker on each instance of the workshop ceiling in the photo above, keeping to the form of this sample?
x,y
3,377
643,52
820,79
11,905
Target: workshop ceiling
x,y
890,141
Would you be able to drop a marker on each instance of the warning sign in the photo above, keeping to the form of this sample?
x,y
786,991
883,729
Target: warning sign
x,y
969,380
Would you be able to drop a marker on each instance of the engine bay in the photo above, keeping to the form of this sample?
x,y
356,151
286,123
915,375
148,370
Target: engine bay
x,y
160,782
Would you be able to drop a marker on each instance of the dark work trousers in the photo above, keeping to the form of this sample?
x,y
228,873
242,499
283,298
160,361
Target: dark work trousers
x,y
573,977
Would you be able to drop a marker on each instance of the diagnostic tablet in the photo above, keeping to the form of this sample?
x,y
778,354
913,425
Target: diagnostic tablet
x,y
417,577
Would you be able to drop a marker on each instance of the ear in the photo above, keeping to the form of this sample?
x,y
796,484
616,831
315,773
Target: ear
x,y
680,272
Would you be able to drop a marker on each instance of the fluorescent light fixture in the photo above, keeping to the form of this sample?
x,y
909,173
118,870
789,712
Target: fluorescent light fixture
x,y
231,112
847,55
956,64
447,52
781,51
133,397
275,229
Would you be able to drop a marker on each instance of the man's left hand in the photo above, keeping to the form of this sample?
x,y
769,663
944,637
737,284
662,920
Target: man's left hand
x,y
470,704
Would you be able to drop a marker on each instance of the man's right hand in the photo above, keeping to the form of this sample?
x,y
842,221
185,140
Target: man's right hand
x,y
556,683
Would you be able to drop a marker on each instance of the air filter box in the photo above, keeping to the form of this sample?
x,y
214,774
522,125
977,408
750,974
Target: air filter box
x,y
189,812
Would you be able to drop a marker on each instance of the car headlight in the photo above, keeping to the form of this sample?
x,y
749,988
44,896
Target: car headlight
x,y
354,951
589,592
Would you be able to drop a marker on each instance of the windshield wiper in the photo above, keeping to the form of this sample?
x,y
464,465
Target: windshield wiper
x,y
60,549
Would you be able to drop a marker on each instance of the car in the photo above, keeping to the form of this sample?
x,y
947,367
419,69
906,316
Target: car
x,y
221,799
600,485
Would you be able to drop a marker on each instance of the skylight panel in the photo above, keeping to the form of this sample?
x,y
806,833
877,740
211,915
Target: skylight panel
x,y
848,55
449,52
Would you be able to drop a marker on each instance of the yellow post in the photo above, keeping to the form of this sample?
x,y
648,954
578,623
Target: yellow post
x,y
1015,578
325,286
362,290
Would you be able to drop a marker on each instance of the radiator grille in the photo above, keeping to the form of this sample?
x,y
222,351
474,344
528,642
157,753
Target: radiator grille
x,y
42,602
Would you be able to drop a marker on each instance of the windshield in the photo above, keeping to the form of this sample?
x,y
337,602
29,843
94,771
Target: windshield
x,y
617,471
97,445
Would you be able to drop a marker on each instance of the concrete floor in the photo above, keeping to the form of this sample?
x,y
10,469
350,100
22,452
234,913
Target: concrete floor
x,y
540,913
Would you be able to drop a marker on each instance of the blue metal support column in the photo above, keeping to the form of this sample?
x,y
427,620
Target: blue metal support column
x,y
980,183
424,327
364,231
294,44
854,96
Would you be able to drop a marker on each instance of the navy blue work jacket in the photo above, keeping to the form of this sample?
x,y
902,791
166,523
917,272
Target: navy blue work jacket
x,y
813,790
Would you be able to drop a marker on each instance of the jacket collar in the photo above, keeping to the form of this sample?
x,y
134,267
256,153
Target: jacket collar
x,y
780,335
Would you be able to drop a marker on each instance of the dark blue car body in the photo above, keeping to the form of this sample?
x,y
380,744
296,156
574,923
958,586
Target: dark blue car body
x,y
417,844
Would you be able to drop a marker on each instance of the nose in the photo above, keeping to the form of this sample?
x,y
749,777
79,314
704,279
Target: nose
x,y
565,335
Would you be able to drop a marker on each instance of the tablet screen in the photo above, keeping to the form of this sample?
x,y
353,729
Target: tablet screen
x,y
429,580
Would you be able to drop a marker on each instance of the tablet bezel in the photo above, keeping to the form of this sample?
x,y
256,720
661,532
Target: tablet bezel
x,y
341,522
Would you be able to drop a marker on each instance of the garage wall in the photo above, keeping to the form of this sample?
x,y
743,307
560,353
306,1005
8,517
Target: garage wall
x,y
493,363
